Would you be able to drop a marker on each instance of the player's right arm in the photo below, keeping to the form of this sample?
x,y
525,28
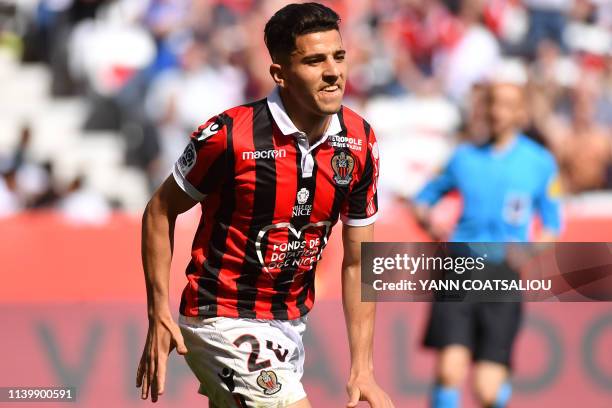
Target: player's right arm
x,y
197,173
157,246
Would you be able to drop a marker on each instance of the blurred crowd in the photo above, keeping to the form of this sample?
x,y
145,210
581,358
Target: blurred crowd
x,y
152,70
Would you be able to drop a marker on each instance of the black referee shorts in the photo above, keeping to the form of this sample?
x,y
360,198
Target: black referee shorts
x,y
487,329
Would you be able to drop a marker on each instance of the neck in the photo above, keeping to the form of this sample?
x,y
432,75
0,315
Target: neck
x,y
313,125
504,139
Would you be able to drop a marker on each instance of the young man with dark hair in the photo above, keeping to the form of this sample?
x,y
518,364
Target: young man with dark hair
x,y
272,177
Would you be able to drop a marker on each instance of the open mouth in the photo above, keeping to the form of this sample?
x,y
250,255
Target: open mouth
x,y
331,88
330,94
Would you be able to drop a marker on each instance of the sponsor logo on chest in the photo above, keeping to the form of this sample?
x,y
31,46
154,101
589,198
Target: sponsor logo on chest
x,y
264,154
346,141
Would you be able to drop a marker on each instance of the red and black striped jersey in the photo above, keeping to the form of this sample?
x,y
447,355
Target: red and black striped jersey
x,y
269,201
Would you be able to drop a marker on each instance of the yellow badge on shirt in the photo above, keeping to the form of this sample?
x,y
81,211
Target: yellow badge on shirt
x,y
554,187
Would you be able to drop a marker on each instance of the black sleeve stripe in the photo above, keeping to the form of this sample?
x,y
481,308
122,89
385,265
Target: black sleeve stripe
x,y
358,200
366,129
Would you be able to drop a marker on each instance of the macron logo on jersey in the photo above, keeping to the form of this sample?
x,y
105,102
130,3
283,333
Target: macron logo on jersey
x,y
264,154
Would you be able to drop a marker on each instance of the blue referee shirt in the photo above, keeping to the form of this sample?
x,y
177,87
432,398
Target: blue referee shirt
x,y
501,190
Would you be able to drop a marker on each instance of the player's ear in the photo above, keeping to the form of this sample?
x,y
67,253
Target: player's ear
x,y
276,72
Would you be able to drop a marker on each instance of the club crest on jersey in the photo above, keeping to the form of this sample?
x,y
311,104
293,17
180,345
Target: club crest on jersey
x,y
302,195
187,159
204,132
269,382
343,164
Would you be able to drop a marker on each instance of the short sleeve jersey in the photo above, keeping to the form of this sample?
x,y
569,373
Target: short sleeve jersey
x,y
501,190
269,201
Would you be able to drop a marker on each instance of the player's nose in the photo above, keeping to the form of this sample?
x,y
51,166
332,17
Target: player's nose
x,y
331,69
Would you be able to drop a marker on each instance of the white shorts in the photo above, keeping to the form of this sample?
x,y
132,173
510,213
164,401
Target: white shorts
x,y
246,362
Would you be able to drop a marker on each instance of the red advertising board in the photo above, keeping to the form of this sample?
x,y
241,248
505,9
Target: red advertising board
x,y
72,310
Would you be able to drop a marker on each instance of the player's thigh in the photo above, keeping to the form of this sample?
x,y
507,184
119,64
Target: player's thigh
x,y
242,362
269,363
488,379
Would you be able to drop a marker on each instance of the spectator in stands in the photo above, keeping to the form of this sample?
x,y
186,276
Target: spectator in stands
x,y
10,202
421,55
420,28
582,146
83,205
547,20
24,180
509,21
49,194
179,98
471,55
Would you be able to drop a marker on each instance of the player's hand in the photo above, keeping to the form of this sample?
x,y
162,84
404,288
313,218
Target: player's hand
x,y
364,388
163,336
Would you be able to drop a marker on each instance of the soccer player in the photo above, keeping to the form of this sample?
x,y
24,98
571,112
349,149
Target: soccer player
x,y
272,177
502,181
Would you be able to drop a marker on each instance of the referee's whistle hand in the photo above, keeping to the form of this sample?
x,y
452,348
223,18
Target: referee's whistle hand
x,y
366,389
162,337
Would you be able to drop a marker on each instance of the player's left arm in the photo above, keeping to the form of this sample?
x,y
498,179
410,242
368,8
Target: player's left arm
x,y
358,216
548,202
359,318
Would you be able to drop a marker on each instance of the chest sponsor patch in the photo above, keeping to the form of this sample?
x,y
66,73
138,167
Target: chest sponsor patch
x,y
264,154
351,143
286,246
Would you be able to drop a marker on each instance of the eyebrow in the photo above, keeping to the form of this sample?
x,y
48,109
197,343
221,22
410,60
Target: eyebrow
x,y
318,56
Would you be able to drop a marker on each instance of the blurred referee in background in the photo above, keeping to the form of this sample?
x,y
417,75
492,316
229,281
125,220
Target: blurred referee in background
x,y
503,179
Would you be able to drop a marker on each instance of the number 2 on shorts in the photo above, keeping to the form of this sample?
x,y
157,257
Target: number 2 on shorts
x,y
253,364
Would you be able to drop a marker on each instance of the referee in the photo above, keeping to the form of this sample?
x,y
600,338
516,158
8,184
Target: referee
x,y
503,182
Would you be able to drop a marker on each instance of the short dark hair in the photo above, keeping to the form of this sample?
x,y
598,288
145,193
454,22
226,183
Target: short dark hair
x,y
294,20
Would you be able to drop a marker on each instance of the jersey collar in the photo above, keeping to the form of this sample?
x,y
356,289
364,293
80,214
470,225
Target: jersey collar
x,y
284,123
